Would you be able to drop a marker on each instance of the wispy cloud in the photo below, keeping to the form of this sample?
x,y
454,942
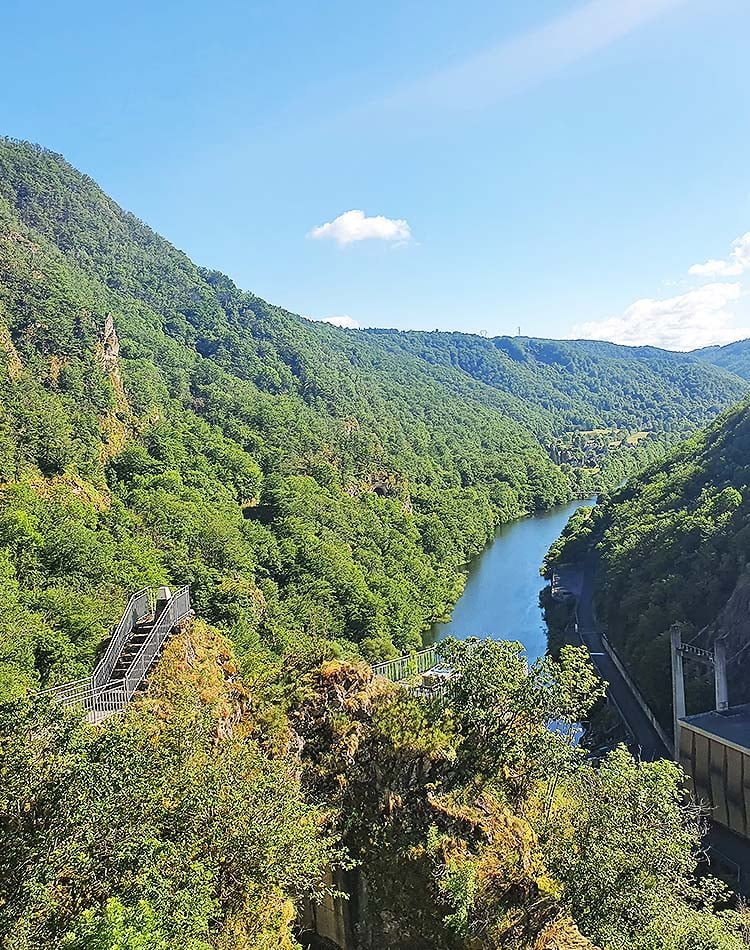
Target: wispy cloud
x,y
529,58
352,226
737,263
700,317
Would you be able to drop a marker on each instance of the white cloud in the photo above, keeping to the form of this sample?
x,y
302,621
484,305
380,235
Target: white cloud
x,y
344,321
701,317
737,262
714,268
354,226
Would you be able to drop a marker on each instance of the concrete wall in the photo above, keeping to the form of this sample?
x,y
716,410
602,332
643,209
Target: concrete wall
x,y
338,921
661,732
327,923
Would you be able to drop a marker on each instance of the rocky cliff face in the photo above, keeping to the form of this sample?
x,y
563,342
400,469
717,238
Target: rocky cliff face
x,y
110,345
116,424
733,624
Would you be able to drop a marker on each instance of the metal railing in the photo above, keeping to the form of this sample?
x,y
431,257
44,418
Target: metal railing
x,y
140,605
68,692
97,695
177,608
98,702
410,665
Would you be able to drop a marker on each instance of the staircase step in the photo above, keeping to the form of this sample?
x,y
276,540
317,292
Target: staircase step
x,y
134,644
120,669
132,648
124,662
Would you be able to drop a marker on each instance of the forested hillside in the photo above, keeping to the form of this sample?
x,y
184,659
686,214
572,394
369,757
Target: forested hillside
x,y
583,384
320,491
734,357
623,407
673,547
303,482
307,482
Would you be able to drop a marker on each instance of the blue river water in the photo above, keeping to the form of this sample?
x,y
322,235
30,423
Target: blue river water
x,y
501,597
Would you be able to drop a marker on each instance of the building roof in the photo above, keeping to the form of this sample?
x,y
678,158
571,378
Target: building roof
x,y
732,725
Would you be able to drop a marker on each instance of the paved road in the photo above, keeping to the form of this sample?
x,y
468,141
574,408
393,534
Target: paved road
x,y
646,740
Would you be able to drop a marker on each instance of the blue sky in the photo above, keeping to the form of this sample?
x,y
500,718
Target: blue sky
x,y
566,166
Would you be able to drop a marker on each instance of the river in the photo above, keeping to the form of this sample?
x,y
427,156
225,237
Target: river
x,y
501,597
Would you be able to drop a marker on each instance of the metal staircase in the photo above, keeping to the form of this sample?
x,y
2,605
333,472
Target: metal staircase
x,y
146,624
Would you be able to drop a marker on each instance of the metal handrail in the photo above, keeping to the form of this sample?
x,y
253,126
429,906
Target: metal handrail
x,y
176,609
63,688
97,701
139,605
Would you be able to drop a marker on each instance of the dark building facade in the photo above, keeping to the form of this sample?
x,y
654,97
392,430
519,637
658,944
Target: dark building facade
x,y
714,751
